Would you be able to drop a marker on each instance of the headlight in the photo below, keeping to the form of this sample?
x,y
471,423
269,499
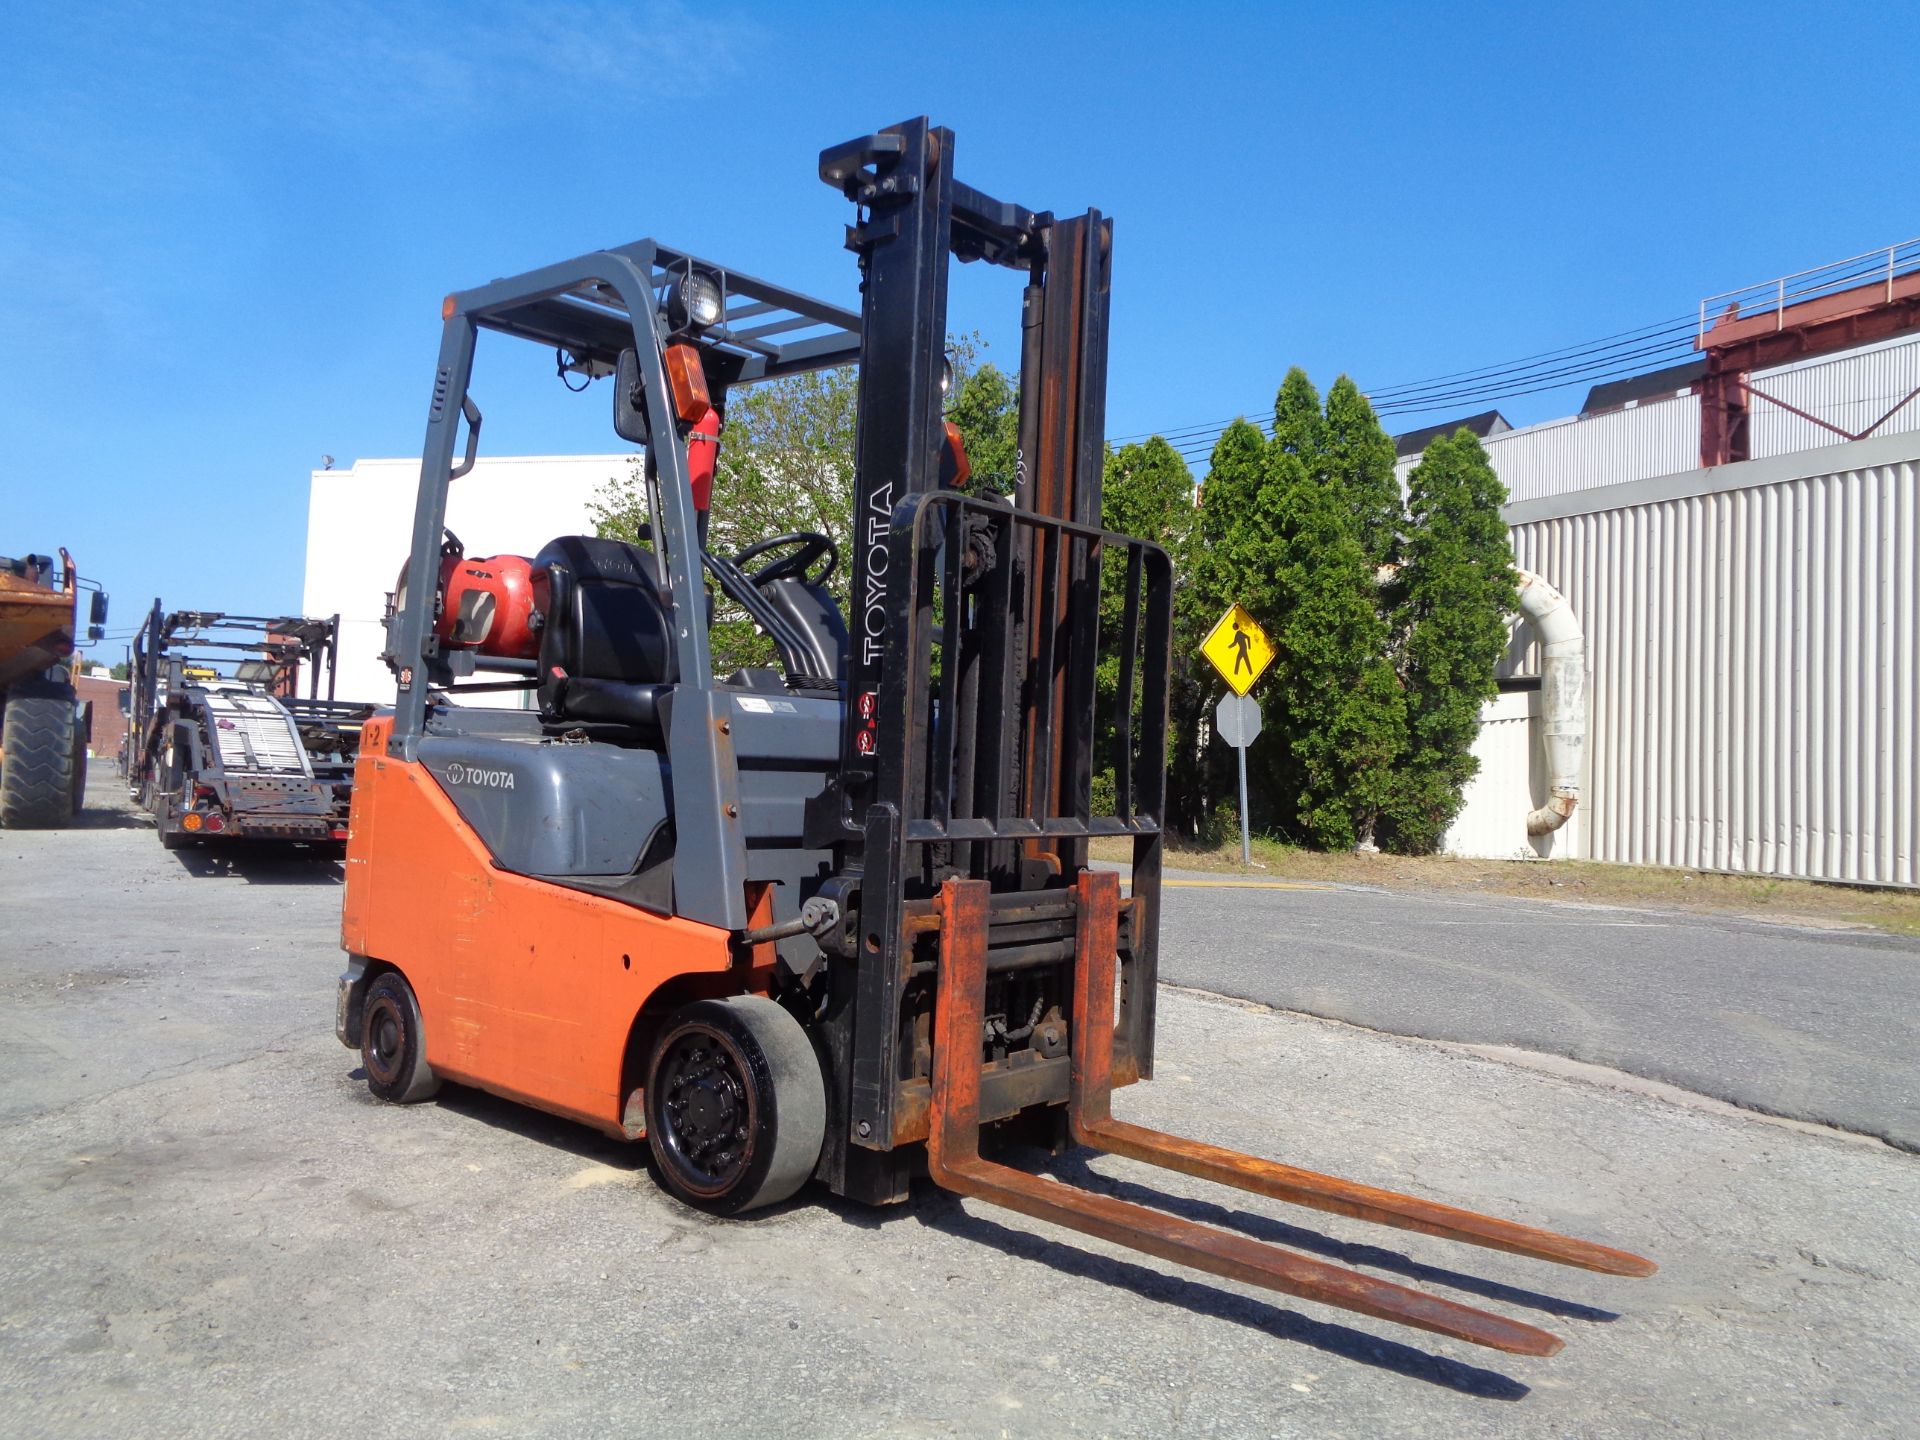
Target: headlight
x,y
694,301
946,377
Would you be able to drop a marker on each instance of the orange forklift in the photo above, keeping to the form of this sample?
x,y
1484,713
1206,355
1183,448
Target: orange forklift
x,y
833,920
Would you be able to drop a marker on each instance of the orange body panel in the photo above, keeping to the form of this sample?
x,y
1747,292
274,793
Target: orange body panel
x,y
526,989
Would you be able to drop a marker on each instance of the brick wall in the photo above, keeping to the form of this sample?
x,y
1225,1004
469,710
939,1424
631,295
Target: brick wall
x,y
109,725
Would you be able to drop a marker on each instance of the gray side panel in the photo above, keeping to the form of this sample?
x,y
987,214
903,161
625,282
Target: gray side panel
x,y
794,731
787,747
545,809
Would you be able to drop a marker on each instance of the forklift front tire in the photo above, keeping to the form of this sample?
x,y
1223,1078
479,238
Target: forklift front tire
x,y
392,1044
736,1104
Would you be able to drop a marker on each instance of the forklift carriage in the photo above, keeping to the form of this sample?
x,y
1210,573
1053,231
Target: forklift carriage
x,y
835,920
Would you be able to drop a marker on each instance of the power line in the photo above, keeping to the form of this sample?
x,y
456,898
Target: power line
x,y
1630,352
1492,382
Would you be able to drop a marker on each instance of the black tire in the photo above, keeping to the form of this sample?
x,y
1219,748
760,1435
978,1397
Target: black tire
x,y
392,1044
36,778
82,736
736,1104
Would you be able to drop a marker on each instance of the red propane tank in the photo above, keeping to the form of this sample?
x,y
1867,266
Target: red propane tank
x,y
486,604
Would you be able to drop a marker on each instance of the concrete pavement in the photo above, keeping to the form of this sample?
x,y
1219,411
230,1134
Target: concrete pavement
x,y
212,1230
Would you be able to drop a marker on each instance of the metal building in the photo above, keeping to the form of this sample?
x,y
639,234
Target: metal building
x,y
1753,637
1752,627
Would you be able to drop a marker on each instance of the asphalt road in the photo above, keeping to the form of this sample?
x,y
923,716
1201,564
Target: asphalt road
x,y
211,1229
1818,1025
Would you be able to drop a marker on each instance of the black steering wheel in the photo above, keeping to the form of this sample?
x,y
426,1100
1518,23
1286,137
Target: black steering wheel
x,y
809,545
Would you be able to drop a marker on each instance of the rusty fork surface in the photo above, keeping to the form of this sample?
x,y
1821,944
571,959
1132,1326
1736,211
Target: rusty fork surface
x,y
953,1153
1090,1116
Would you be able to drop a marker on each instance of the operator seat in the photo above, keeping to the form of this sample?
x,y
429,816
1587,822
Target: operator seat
x,y
606,649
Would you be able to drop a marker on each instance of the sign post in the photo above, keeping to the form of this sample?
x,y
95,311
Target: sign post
x,y
1241,652
1236,720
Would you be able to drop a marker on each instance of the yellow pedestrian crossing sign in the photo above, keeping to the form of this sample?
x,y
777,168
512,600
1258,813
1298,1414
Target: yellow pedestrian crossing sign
x,y
1239,649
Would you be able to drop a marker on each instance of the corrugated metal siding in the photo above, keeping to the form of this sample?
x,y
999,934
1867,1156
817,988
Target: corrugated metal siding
x,y
1492,824
1755,687
1851,391
1655,437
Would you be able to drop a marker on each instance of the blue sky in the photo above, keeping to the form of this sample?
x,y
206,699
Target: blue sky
x,y
225,229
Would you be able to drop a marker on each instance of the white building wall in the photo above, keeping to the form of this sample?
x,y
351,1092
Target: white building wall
x,y
1492,824
1558,457
1753,638
360,527
1851,391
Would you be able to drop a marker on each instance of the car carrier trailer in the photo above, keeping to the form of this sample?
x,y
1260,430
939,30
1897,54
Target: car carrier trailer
x,y
834,921
221,745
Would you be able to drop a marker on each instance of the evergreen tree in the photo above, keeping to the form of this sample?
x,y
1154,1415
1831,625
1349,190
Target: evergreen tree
x,y
1148,492
1341,708
1235,561
1359,465
1457,584
1299,425
1235,548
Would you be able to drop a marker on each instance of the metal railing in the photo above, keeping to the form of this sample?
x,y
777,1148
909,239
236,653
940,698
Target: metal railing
x,y
1856,272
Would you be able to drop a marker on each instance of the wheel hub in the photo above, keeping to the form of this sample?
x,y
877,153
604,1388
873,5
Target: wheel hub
x,y
385,1040
706,1110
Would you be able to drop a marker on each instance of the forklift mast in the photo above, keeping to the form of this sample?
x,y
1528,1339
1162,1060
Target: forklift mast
x,y
977,627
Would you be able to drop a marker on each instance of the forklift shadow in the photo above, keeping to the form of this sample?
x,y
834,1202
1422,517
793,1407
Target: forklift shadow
x,y
538,1126
586,1143
943,1212
1073,1169
258,863
940,1211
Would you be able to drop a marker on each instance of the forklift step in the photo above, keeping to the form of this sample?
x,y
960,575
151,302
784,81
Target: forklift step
x,y
955,1162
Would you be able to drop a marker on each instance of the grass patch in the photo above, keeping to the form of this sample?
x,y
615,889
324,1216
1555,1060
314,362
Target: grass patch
x,y
1760,896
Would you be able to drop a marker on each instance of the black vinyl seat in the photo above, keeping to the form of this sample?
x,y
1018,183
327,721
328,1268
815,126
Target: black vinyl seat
x,y
606,650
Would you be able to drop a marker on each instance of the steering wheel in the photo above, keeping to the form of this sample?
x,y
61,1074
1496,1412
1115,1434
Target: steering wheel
x,y
810,547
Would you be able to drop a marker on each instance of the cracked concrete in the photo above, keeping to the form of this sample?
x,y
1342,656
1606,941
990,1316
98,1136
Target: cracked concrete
x,y
212,1230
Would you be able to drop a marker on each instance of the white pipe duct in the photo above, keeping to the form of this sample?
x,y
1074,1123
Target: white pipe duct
x,y
1563,698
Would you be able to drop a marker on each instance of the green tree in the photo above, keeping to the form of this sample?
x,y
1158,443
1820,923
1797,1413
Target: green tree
x,y
1299,425
1280,533
786,463
1359,461
1458,588
1236,560
120,670
1233,561
1341,706
986,407
1147,491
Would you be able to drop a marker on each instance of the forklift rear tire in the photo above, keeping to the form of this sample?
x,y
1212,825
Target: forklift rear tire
x,y
736,1104
393,1045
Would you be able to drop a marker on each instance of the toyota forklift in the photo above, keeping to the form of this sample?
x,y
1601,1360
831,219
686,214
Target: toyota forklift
x,y
833,921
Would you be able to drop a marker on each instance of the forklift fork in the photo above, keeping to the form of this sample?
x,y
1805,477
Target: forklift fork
x,y
955,1163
